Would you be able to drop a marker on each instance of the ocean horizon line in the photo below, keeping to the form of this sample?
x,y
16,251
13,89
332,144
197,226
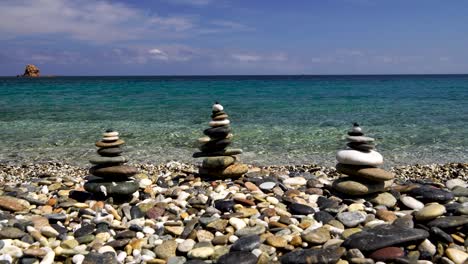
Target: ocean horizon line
x,y
248,75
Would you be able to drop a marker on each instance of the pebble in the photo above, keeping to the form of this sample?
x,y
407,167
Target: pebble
x,y
266,186
456,255
352,219
429,212
411,202
186,245
246,243
201,252
238,257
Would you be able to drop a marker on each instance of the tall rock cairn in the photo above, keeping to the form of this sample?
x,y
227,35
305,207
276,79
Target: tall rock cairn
x,y
219,161
360,161
110,177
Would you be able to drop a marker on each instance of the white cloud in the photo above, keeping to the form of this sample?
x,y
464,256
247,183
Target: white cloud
x,y
246,57
88,20
191,2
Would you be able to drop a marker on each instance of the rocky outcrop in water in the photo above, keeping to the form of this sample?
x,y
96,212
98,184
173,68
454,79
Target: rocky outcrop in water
x,y
31,71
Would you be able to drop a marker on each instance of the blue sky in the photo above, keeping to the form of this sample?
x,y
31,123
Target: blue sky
x,y
164,37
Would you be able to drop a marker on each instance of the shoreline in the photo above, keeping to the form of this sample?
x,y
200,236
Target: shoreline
x,y
433,171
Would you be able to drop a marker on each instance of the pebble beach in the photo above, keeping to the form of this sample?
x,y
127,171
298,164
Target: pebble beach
x,y
275,214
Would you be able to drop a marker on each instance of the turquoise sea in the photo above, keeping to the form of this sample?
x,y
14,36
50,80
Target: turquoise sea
x,y
275,119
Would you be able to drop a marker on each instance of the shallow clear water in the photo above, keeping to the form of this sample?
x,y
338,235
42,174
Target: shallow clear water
x,y
275,119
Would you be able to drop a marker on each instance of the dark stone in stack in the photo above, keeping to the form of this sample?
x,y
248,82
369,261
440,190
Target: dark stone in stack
x,y
110,177
219,161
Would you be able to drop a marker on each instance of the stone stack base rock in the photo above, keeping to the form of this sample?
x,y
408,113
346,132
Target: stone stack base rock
x,y
359,162
110,178
219,162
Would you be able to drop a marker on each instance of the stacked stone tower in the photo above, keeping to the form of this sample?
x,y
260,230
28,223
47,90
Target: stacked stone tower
x,y
110,177
219,162
359,161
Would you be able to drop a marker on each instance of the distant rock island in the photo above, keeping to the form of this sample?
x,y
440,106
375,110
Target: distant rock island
x,y
31,71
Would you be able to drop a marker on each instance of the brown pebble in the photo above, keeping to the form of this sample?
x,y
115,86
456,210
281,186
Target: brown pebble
x,y
251,187
388,253
386,215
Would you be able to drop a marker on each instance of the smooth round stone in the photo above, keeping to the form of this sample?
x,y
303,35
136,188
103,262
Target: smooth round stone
x,y
96,258
186,245
224,122
452,183
110,152
11,233
429,193
356,128
232,171
101,144
238,257
323,217
388,253
460,191
220,117
224,205
412,203
385,199
429,212
300,209
110,134
317,236
300,181
254,230
166,250
359,139
201,252
225,152
217,107
217,132
110,139
120,171
218,162
354,157
313,256
215,145
108,160
352,219
349,186
276,241
449,221
112,188
354,133
266,186
246,243
384,236
365,172
456,255
361,146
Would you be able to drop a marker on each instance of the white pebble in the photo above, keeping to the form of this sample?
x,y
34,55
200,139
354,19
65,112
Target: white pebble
x,y
49,257
140,235
218,107
145,183
78,259
7,258
49,231
257,252
411,202
148,230
237,223
272,200
295,181
121,256
13,251
105,249
233,238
